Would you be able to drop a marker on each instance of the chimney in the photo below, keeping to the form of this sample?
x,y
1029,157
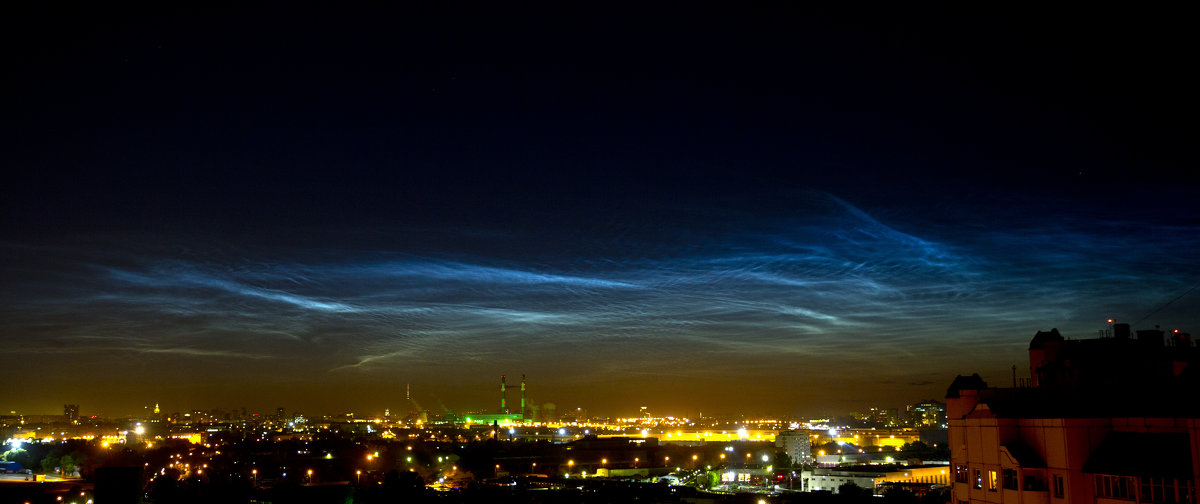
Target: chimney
x,y
503,394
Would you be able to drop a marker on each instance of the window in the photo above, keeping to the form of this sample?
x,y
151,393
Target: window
x,y
1059,487
1166,490
1010,479
993,480
978,479
961,474
1152,489
1033,480
1115,487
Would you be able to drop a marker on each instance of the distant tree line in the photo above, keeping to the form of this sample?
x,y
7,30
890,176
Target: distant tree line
x,y
64,458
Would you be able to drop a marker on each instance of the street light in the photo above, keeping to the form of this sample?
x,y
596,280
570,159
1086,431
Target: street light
x,y
254,477
359,473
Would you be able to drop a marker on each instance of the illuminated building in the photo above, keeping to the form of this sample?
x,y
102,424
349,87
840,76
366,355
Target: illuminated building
x,y
797,444
872,476
928,414
1110,419
502,416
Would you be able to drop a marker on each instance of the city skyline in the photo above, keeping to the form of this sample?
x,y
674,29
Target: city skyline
x,y
730,211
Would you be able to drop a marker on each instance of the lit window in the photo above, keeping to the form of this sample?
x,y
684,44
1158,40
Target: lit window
x,y
961,474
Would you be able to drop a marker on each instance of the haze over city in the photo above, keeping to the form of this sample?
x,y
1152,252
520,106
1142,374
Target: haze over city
x,y
717,212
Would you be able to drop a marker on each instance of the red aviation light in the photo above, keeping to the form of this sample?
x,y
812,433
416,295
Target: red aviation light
x,y
1110,321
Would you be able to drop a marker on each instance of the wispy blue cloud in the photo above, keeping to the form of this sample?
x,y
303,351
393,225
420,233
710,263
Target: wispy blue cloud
x,y
829,285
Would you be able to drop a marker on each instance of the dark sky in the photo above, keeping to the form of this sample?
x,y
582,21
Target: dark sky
x,y
719,211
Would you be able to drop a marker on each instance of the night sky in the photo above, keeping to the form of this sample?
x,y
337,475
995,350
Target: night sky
x,y
699,211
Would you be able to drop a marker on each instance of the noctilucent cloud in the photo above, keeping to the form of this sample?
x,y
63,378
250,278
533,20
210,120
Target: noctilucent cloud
x,y
317,224
826,305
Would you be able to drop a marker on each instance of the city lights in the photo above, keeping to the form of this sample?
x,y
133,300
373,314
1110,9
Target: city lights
x,y
877,248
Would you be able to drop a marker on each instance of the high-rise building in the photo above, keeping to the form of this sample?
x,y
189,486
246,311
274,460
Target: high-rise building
x,y
928,414
1107,420
798,446
71,412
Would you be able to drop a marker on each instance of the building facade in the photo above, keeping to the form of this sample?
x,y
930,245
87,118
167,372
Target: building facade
x,y
1108,420
798,446
872,477
927,415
